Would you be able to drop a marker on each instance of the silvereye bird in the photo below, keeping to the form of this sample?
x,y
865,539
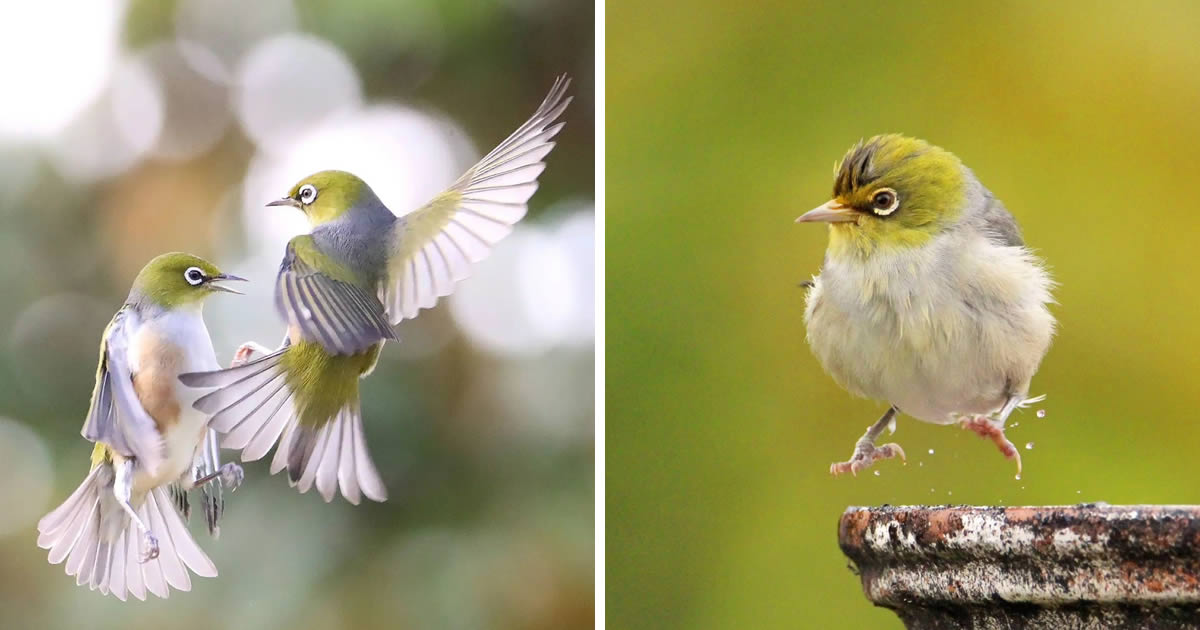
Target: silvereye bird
x,y
342,287
928,298
119,531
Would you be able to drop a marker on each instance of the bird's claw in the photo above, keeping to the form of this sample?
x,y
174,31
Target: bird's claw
x,y
245,352
866,454
149,547
232,475
987,428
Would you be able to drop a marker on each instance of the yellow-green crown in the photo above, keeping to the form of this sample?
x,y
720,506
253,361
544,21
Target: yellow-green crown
x,y
175,279
928,184
332,194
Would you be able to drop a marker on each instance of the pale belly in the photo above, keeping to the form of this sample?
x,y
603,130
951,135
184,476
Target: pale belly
x,y
163,349
928,374
180,442
934,354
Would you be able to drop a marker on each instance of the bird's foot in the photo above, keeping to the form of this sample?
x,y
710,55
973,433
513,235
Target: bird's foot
x,y
245,352
149,547
232,475
865,454
985,427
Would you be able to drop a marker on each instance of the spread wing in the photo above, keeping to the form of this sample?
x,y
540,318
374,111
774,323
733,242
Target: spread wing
x,y
116,417
328,306
433,247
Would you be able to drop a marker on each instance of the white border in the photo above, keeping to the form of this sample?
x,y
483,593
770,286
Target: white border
x,y
599,346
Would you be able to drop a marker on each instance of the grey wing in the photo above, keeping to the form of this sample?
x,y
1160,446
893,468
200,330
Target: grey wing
x,y
116,417
999,224
342,317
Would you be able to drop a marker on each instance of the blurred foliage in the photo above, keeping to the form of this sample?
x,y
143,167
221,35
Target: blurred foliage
x,y
723,122
489,523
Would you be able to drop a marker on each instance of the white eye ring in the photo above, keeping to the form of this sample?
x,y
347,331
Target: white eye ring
x,y
307,194
883,211
194,276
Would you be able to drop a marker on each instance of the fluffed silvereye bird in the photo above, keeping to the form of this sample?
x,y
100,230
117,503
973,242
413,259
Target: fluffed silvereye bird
x,y
120,532
928,298
340,289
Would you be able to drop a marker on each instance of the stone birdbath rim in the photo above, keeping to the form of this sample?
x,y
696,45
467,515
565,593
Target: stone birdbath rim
x,y
1086,565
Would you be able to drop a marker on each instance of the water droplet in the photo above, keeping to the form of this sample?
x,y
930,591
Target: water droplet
x,y
1079,492
1041,413
949,492
1018,477
921,464
1029,446
931,451
876,473
1016,424
931,490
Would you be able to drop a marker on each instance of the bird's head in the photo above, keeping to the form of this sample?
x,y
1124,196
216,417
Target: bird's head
x,y
327,196
178,280
891,192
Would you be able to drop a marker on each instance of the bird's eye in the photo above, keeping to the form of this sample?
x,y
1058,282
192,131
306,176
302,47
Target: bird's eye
x,y
194,276
885,202
308,193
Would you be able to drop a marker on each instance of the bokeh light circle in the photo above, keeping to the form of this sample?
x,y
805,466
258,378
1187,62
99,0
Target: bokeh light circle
x,y
535,292
227,28
494,307
28,479
288,84
55,57
55,341
116,131
197,108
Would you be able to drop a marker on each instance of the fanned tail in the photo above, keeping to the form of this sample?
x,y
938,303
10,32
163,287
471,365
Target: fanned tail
x,y
332,455
102,546
253,408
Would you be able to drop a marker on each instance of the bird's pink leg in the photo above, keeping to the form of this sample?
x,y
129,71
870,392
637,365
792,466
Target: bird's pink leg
x,y
245,352
984,426
865,451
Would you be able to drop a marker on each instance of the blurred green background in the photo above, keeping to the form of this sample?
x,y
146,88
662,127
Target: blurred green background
x,y
131,128
722,125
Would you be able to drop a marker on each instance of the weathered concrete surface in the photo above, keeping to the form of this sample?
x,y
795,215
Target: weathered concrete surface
x,y
1086,566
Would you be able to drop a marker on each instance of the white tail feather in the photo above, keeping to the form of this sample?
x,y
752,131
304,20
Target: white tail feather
x,y
102,545
339,458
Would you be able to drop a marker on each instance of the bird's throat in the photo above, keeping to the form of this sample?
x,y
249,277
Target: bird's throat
x,y
860,241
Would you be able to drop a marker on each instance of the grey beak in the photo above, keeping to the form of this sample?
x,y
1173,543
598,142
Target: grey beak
x,y
225,276
286,201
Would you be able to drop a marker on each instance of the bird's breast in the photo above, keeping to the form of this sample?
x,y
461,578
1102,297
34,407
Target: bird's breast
x,y
156,364
163,348
945,329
